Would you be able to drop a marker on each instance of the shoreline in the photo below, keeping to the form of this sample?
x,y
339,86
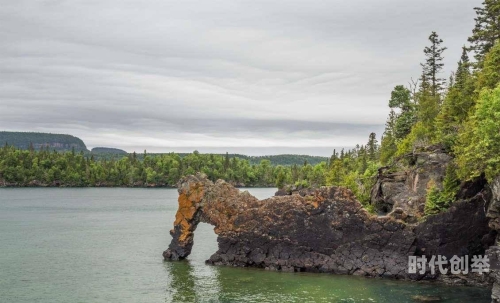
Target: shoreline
x,y
109,186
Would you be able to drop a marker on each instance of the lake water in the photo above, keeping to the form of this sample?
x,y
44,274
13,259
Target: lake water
x,y
106,244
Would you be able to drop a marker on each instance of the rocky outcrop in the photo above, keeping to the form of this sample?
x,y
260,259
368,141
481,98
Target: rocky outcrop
x,y
494,251
318,230
403,190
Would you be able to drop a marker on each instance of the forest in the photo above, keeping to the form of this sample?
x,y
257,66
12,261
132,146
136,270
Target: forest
x,y
52,168
460,111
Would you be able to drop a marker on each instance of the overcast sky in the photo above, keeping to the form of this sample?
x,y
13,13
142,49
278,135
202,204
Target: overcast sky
x,y
255,77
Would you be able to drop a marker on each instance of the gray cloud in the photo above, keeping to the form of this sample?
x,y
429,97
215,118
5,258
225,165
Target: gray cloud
x,y
172,75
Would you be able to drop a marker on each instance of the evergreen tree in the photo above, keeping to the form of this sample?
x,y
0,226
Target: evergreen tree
x,y
388,142
478,148
363,164
406,118
428,105
333,157
388,148
134,157
457,103
489,75
462,74
372,147
226,162
434,64
487,29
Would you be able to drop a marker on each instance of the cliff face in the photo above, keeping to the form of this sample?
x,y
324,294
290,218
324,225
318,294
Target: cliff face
x,y
494,251
402,191
320,230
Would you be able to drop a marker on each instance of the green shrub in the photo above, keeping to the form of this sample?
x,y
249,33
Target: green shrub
x,y
438,200
433,202
419,136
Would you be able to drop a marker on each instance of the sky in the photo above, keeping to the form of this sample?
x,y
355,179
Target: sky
x,y
252,77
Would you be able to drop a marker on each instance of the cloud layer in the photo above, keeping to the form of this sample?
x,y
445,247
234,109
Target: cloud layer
x,y
244,76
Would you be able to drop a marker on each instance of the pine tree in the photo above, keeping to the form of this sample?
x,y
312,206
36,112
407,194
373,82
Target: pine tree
x,y
457,103
388,143
487,29
478,146
226,162
388,148
463,70
134,157
451,80
405,119
489,75
363,164
434,64
333,157
372,147
428,105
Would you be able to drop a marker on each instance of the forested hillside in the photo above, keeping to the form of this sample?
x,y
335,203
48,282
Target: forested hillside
x,y
27,140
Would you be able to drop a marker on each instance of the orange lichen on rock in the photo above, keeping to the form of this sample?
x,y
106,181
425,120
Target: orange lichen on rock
x,y
188,205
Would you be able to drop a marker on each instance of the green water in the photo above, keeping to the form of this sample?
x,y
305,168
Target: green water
x,y
105,245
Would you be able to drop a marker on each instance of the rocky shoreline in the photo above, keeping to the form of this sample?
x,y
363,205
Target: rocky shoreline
x,y
328,230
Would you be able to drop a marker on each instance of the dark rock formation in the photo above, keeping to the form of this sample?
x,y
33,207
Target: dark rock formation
x,y
404,190
494,251
320,230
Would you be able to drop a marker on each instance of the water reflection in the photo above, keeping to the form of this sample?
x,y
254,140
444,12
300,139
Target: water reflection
x,y
191,280
194,282
181,287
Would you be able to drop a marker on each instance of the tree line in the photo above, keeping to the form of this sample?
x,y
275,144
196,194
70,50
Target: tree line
x,y
53,168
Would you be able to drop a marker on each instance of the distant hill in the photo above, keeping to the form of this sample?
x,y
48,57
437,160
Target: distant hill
x,y
58,142
108,150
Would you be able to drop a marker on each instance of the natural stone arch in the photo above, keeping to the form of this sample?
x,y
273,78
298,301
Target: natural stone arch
x,y
200,200
318,230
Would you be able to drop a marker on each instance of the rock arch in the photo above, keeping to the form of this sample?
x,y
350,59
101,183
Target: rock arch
x,y
317,230
200,200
